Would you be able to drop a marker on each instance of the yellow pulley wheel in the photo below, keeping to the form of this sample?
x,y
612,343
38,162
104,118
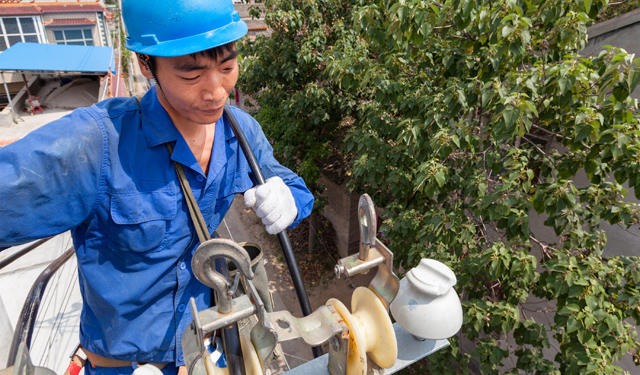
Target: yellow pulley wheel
x,y
250,356
371,331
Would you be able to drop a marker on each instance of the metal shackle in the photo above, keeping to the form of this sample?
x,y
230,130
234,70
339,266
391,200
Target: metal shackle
x,y
203,266
368,225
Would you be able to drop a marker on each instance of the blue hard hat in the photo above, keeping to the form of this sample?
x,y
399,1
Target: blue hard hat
x,y
180,27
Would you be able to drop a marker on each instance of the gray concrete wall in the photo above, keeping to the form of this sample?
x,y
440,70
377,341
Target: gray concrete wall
x,y
342,212
622,32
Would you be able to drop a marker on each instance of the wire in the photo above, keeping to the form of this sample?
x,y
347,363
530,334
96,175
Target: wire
x,y
50,298
59,317
329,253
228,230
296,357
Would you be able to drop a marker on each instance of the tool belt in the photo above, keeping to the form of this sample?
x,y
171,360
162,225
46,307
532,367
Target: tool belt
x,y
80,356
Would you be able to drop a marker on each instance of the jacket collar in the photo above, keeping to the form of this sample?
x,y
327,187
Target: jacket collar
x,y
158,129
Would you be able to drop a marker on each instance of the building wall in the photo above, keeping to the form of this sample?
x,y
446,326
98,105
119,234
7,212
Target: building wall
x,y
342,212
95,31
621,32
256,26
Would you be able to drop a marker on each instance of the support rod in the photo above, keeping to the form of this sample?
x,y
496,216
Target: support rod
x,y
13,109
230,335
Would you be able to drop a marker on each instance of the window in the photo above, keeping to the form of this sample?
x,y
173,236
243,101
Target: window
x,y
20,29
78,37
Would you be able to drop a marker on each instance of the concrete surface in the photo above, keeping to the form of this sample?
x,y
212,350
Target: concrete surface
x,y
6,330
31,123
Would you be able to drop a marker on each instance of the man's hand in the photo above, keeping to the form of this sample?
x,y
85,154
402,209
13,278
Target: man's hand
x,y
273,203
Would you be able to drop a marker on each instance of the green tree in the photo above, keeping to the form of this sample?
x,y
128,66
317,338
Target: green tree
x,y
285,75
471,119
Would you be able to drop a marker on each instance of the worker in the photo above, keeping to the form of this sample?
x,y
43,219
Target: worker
x,y
106,174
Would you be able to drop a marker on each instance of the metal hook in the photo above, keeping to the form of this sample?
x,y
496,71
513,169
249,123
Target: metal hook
x,y
203,266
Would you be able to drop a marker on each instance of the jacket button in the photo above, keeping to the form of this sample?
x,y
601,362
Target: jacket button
x,y
181,308
183,265
181,358
200,178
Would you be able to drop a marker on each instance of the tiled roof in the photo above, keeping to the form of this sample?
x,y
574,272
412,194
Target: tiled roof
x,y
40,8
7,9
70,7
69,22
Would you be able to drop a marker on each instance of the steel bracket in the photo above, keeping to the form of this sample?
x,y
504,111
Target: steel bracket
x,y
373,253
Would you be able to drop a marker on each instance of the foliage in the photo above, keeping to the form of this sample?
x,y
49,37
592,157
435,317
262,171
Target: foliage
x,y
474,119
615,9
126,54
285,74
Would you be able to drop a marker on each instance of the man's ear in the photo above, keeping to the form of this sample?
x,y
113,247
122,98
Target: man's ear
x,y
144,68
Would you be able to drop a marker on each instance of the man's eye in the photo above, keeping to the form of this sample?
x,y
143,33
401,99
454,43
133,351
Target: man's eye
x,y
190,78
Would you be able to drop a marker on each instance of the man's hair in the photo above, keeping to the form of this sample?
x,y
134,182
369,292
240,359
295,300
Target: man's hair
x,y
212,53
216,52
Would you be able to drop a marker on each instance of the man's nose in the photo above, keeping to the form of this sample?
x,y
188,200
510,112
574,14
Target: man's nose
x,y
213,89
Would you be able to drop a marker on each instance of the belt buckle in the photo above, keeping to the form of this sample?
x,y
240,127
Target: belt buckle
x,y
79,352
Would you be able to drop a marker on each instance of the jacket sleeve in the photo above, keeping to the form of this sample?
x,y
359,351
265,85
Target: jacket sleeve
x,y
50,179
271,167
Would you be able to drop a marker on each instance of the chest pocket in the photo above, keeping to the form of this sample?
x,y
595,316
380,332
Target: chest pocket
x,y
139,221
235,182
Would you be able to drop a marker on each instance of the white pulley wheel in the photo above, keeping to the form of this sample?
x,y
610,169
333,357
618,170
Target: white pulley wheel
x,y
371,331
250,356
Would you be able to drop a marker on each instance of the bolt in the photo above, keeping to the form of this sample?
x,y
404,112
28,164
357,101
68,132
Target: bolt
x,y
418,338
335,343
339,269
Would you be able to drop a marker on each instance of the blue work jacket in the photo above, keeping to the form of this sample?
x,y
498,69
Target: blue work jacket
x,y
105,173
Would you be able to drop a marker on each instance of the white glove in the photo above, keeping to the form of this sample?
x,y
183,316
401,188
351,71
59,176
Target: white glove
x,y
273,203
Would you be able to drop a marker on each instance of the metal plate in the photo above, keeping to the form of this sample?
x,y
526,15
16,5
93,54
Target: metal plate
x,y
410,351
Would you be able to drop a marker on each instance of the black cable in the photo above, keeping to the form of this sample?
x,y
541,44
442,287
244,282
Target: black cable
x,y
290,258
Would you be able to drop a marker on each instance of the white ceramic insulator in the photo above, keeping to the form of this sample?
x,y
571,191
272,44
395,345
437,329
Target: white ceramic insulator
x,y
426,305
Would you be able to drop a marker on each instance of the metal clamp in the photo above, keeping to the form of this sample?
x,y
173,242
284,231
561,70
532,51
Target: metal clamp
x,y
263,336
373,253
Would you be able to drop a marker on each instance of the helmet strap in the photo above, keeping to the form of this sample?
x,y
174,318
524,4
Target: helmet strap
x,y
146,59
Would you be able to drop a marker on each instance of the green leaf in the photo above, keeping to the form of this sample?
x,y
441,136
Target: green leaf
x,y
633,78
572,325
507,30
440,178
510,115
620,92
482,188
455,140
487,95
563,83
587,5
592,301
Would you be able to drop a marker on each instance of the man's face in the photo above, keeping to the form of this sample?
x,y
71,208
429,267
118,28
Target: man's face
x,y
196,87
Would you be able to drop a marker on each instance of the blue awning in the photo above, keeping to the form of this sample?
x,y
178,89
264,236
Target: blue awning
x,y
49,58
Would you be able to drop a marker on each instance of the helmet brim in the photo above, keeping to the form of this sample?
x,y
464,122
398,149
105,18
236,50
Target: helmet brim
x,y
192,44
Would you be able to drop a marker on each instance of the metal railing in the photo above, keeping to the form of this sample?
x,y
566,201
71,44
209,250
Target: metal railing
x,y
12,258
27,319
